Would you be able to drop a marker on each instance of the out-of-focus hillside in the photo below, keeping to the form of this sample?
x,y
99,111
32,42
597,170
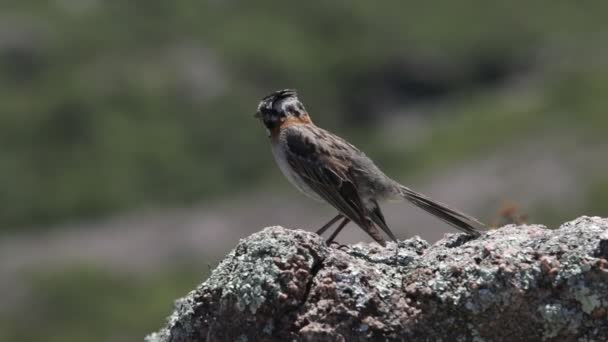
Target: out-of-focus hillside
x,y
113,107
110,105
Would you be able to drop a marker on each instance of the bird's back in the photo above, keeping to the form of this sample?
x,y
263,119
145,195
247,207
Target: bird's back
x,y
322,149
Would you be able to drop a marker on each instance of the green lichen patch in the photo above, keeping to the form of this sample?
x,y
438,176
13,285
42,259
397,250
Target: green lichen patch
x,y
526,282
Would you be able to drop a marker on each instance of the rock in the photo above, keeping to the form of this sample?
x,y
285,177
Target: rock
x,y
516,283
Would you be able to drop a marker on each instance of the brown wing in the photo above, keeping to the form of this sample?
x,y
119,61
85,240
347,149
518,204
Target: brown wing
x,y
378,218
328,174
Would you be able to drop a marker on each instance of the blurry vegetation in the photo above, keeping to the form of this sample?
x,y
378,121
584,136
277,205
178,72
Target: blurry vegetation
x,y
88,305
598,199
110,105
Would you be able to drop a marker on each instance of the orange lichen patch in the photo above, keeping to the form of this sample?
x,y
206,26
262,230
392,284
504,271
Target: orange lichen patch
x,y
599,313
509,213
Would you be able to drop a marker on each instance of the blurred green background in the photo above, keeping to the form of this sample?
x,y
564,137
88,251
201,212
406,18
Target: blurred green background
x,y
131,162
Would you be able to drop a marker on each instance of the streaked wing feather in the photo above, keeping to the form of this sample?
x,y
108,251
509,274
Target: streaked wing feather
x,y
329,176
328,185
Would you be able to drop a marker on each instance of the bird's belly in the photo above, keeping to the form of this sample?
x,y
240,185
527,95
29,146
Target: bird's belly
x,y
291,175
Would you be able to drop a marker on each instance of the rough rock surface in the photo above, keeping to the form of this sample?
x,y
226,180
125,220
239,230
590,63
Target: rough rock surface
x,y
516,283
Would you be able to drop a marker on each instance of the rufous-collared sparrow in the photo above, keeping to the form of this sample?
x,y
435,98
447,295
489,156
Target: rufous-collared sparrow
x,y
328,168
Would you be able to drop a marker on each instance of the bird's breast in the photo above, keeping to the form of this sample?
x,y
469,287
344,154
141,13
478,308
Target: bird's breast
x,y
292,175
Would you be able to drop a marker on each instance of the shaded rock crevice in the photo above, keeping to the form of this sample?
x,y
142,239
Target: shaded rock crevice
x,y
524,283
313,274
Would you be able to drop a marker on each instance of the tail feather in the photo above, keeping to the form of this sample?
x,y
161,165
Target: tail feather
x,y
458,220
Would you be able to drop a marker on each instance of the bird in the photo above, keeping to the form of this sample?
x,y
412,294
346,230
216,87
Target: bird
x,y
328,168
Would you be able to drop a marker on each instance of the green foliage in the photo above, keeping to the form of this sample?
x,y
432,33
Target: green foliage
x,y
102,108
598,198
86,305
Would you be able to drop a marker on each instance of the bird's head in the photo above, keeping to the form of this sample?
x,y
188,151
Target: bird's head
x,y
279,107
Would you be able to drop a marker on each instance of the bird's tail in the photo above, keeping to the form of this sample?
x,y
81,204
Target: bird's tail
x,y
458,220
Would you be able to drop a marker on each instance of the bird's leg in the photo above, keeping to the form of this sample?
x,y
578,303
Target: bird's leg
x,y
337,231
329,224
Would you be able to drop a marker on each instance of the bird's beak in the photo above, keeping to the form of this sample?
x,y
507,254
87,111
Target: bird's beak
x,y
257,115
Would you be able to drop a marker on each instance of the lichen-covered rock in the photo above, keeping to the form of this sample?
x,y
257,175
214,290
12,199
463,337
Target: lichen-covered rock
x,y
516,283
